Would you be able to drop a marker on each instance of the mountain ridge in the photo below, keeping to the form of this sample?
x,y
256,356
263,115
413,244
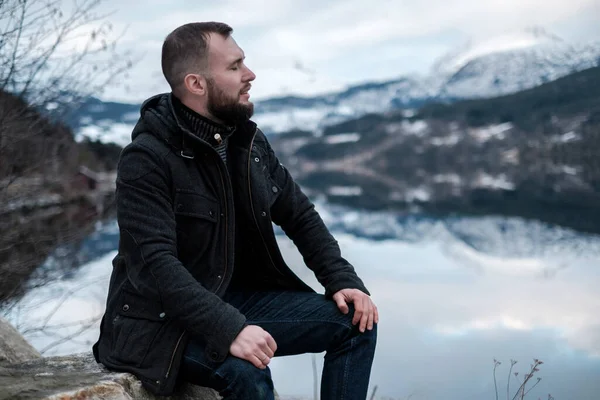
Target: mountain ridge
x,y
499,66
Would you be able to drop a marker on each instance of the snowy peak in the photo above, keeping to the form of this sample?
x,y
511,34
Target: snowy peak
x,y
510,41
510,63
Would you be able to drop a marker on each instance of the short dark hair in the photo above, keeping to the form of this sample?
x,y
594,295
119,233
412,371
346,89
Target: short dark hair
x,y
185,50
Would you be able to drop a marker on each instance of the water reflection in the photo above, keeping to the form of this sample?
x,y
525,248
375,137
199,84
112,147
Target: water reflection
x,y
453,295
442,323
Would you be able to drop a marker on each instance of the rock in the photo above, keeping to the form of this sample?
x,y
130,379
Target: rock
x,y
25,375
13,347
78,377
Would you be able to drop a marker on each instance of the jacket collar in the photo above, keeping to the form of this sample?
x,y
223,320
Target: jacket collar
x,y
159,117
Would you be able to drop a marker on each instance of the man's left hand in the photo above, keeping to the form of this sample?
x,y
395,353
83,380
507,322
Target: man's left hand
x,y
365,310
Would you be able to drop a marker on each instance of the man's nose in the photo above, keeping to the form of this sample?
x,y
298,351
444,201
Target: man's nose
x,y
250,76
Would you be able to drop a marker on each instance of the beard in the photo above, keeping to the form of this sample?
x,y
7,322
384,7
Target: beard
x,y
226,108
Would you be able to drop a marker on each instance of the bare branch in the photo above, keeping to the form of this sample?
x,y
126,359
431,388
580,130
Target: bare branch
x,y
84,327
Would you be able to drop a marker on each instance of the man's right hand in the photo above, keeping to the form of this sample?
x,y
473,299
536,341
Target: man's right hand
x,y
255,345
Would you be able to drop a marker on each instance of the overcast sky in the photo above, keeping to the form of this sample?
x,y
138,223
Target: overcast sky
x,y
312,46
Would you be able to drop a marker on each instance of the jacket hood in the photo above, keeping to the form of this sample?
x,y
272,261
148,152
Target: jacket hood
x,y
157,117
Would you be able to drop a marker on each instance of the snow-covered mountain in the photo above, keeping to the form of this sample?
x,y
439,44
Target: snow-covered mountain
x,y
485,68
284,114
490,67
511,63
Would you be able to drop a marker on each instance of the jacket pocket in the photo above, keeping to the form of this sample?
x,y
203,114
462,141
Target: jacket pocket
x,y
195,205
135,327
196,219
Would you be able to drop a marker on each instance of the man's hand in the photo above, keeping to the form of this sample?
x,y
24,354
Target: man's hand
x,y
254,344
365,310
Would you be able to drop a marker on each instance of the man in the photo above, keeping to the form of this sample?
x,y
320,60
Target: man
x,y
199,290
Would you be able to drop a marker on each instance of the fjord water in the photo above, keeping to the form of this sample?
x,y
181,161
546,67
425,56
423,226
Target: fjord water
x,y
453,295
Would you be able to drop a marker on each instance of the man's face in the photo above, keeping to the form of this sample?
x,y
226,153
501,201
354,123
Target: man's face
x,y
228,81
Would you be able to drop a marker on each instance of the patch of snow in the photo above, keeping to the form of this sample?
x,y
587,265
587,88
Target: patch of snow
x,y
571,170
493,131
567,137
345,191
417,128
448,178
51,106
409,113
511,156
417,194
342,138
115,132
449,140
495,182
292,118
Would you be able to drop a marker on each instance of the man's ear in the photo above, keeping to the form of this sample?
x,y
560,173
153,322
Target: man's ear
x,y
195,84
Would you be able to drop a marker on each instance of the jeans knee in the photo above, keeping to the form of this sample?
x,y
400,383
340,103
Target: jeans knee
x,y
245,381
354,330
370,336
351,337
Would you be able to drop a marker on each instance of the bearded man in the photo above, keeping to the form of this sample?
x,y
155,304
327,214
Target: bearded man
x,y
199,290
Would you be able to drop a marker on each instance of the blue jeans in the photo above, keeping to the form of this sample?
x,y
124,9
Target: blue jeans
x,y
300,323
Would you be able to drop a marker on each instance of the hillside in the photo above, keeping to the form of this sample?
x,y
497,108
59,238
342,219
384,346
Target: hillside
x,y
573,94
533,154
44,198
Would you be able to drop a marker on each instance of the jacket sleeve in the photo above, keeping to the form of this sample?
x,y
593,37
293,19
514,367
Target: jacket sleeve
x,y
296,215
149,246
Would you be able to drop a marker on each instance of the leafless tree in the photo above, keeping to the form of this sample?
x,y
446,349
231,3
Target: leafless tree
x,y
53,54
57,50
50,327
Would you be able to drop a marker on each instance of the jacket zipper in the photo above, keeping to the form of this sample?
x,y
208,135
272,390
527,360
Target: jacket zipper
x,y
252,206
221,282
225,197
226,229
173,355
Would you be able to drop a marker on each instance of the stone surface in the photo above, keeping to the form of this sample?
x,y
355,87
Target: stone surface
x,y
25,375
13,347
78,377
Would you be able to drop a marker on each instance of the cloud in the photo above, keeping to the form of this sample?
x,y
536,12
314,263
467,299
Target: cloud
x,y
343,41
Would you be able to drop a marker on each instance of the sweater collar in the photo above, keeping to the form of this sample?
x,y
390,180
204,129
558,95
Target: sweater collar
x,y
206,129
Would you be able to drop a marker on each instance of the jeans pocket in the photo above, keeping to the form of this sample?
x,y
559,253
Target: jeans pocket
x,y
196,367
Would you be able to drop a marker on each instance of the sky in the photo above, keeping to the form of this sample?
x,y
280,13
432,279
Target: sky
x,y
316,46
